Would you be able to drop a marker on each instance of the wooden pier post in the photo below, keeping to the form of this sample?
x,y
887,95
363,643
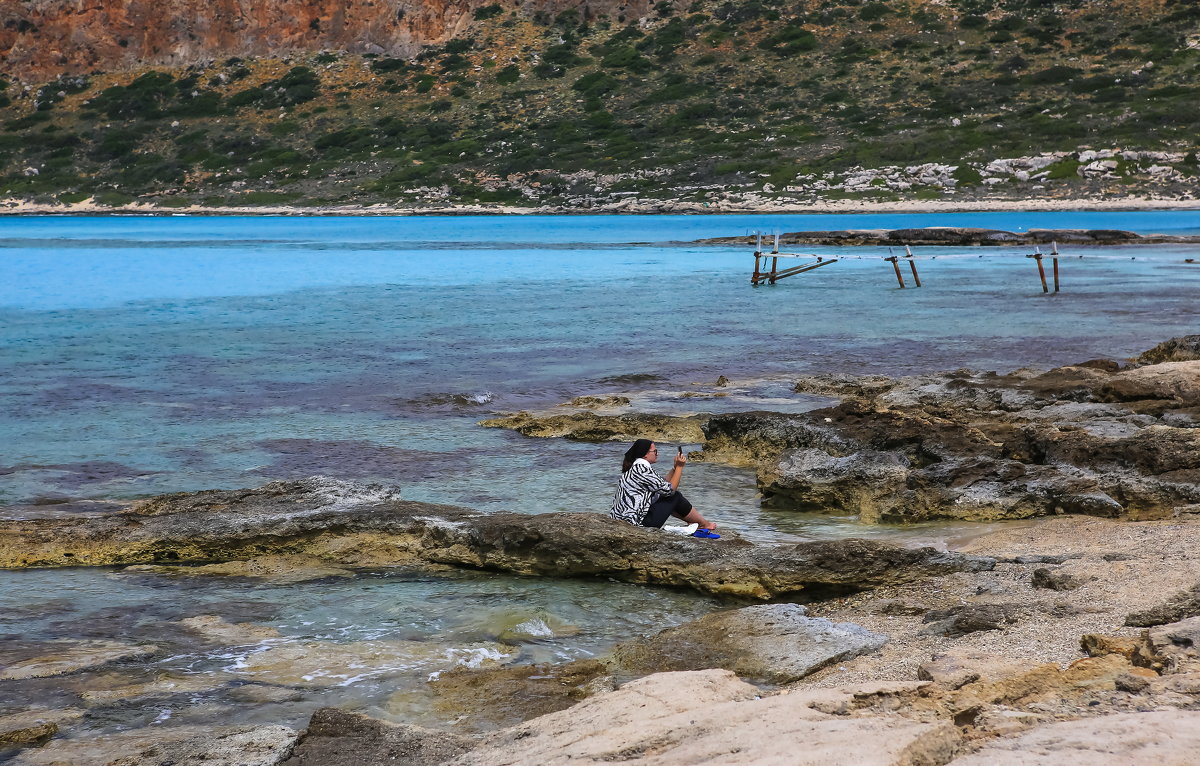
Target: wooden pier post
x,y
896,265
1056,274
1041,271
755,275
774,269
916,278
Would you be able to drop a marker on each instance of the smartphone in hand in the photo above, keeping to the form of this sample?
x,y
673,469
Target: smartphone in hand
x,y
681,449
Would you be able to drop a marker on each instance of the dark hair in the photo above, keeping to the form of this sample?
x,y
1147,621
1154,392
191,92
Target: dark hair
x,y
639,449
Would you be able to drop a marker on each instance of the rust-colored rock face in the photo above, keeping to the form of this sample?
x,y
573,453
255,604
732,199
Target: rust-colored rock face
x,y
43,38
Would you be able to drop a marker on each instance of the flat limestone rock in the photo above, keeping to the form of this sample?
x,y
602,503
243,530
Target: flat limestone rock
x,y
1161,738
169,746
711,717
590,427
319,665
771,642
62,657
303,517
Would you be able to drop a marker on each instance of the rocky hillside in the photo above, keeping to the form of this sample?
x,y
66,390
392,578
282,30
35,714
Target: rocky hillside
x,y
690,104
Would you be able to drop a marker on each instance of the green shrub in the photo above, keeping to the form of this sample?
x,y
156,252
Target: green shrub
x,y
967,175
144,98
262,198
296,87
113,198
425,83
1067,167
508,75
790,40
386,65
487,12
627,57
873,11
1053,75
596,84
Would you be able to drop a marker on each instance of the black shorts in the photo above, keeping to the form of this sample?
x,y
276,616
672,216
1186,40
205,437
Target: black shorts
x,y
674,504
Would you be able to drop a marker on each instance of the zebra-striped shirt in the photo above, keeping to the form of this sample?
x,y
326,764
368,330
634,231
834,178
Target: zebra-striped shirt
x,y
639,487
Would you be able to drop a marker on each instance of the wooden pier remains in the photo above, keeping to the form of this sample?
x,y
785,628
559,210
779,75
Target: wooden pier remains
x,y
767,271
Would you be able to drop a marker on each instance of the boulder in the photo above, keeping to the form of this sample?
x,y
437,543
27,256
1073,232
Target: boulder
x,y
298,517
1178,645
488,699
957,668
969,618
32,727
1054,579
711,717
341,738
776,643
866,482
1182,349
1127,739
1177,381
169,746
1178,607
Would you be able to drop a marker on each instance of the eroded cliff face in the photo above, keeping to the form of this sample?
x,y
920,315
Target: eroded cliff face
x,y
40,39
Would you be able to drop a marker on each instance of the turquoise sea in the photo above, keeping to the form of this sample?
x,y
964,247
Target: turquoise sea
x,y
142,355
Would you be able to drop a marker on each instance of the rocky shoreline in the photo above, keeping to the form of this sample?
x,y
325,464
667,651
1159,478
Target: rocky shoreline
x,y
1079,643
628,206
1072,637
951,236
1096,438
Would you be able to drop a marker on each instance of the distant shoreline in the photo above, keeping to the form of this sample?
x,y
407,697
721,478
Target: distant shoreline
x,y
625,207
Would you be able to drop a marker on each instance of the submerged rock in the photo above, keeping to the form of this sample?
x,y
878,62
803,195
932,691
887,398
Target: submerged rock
x,y
122,690
770,642
297,517
56,658
169,746
317,665
218,629
281,570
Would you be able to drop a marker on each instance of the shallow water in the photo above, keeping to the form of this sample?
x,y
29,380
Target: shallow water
x,y
149,355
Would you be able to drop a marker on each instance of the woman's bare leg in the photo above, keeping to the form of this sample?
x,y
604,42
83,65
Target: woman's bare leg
x,y
693,517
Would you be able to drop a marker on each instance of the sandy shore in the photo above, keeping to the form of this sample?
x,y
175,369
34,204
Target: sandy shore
x,y
625,207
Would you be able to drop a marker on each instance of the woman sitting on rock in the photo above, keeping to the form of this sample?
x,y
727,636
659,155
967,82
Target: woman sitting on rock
x,y
646,499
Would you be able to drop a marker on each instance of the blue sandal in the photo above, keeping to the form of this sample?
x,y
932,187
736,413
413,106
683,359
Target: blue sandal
x,y
707,534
